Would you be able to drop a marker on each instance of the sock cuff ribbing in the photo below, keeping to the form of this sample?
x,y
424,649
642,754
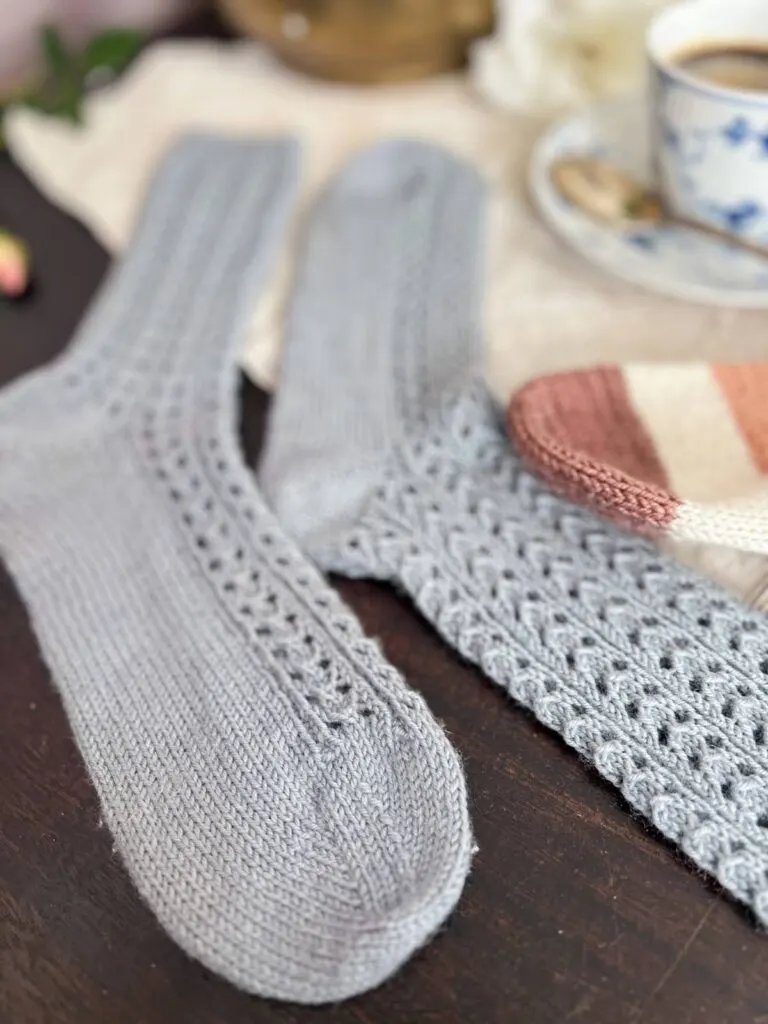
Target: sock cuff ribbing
x,y
209,207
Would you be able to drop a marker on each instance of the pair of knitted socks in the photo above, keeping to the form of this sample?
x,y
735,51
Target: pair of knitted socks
x,y
288,808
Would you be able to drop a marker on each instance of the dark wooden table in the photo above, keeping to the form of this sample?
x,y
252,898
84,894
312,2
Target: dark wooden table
x,y
574,911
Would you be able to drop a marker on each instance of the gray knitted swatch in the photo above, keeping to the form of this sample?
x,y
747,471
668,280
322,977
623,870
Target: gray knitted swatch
x,y
290,811
386,463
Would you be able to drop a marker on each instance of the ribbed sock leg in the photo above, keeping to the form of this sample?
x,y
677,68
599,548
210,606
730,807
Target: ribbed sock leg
x,y
391,258
287,807
649,672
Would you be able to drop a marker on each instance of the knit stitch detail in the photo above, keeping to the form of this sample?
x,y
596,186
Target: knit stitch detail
x,y
650,672
677,450
618,467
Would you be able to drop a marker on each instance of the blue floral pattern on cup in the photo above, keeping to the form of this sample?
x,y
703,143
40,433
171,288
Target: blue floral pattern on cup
x,y
668,258
712,157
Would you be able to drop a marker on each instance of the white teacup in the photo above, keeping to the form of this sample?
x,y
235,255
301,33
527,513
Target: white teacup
x,y
710,142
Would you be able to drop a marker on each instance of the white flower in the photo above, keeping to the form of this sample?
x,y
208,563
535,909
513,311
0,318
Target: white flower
x,y
553,55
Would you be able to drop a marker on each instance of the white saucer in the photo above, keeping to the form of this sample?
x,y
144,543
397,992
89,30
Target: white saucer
x,y
669,259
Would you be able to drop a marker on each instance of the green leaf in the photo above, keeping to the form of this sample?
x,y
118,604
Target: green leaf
x,y
113,50
61,91
69,105
54,51
62,99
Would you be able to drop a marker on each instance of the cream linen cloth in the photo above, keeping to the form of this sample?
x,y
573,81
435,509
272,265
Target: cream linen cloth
x,y
545,309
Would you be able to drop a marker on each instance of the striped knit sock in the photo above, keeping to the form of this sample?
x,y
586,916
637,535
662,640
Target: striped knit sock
x,y
290,811
405,474
674,450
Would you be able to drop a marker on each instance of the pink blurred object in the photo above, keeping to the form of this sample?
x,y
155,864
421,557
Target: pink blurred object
x,y
20,22
14,265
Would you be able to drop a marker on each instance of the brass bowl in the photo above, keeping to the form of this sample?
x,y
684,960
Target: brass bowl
x,y
365,41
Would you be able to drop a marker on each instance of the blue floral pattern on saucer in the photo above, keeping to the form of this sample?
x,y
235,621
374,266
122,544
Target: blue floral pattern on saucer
x,y
666,258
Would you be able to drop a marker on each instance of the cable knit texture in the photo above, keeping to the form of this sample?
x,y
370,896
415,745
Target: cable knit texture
x,y
290,811
651,673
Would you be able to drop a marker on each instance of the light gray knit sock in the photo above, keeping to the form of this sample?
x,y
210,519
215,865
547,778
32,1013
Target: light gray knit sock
x,y
656,676
290,811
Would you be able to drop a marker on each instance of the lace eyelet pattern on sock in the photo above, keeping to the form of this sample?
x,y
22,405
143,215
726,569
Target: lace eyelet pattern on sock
x,y
289,810
651,673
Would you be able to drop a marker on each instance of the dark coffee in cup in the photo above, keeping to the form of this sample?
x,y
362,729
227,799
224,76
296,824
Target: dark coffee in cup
x,y
728,66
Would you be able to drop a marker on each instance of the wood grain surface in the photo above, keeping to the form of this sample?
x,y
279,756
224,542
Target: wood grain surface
x,y
574,911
